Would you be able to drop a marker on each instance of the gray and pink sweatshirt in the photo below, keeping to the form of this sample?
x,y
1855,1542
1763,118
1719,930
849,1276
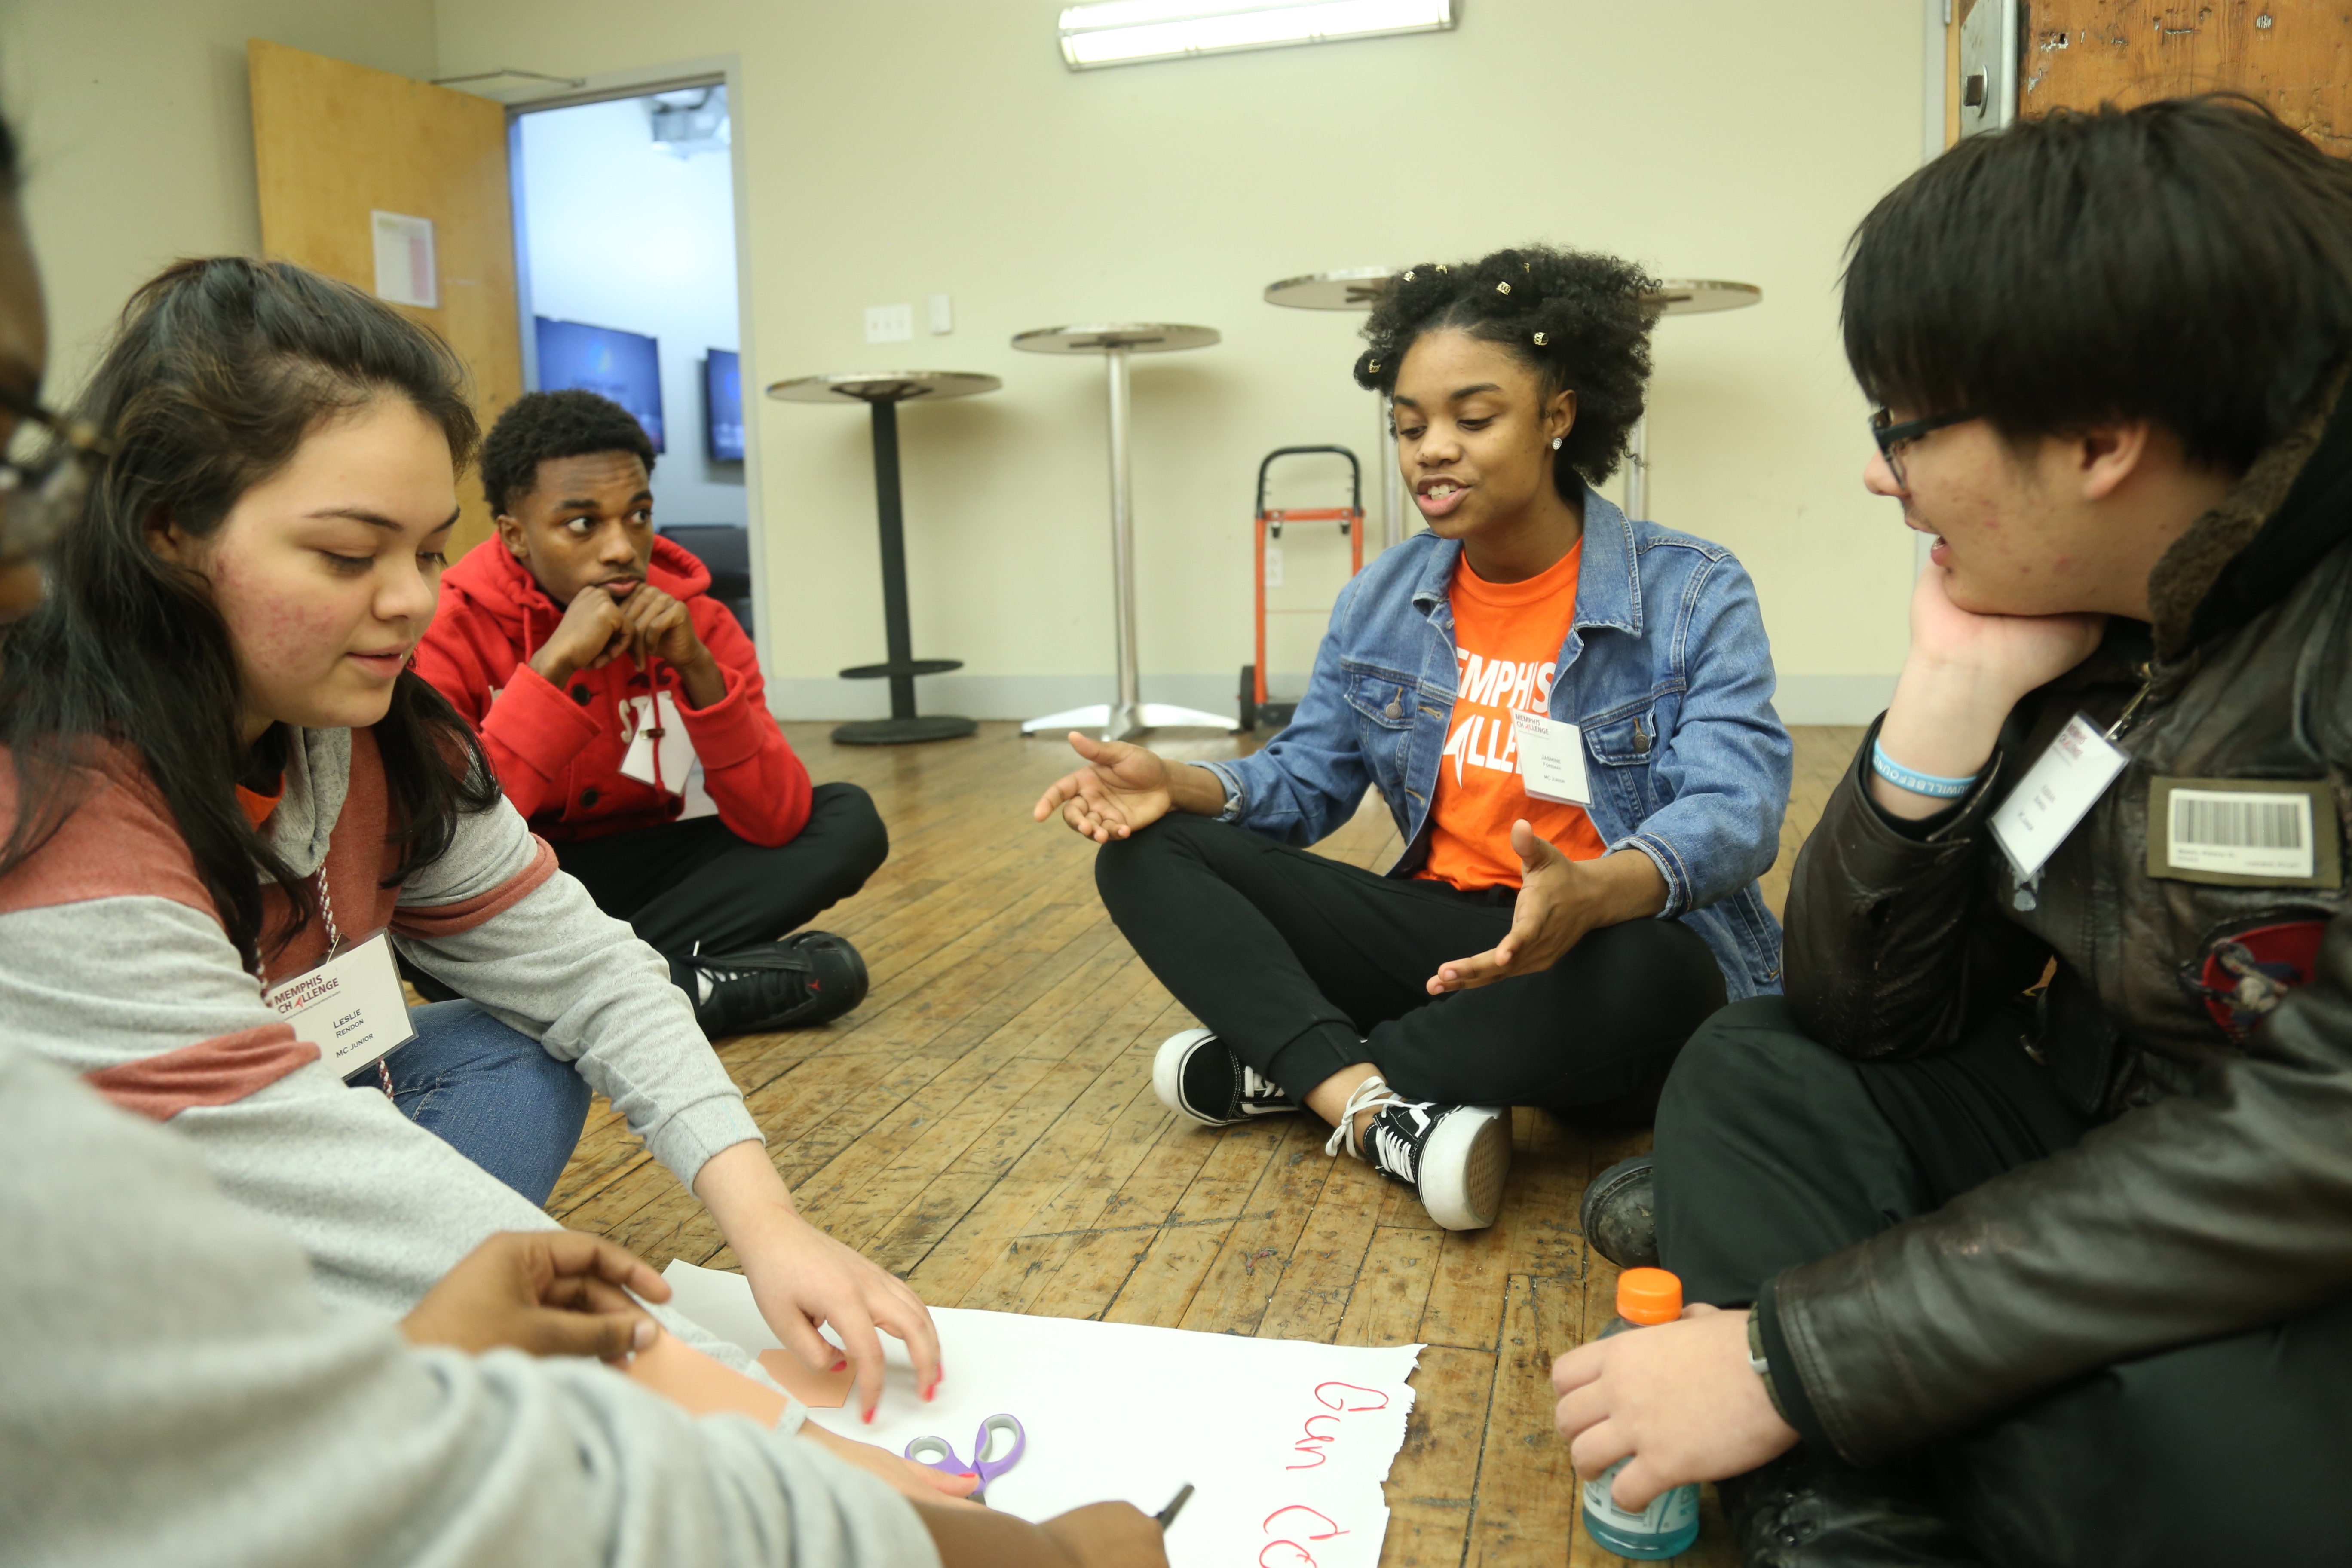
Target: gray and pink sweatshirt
x,y
114,965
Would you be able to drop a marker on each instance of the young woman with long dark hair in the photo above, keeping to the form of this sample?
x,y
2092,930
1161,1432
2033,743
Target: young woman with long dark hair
x,y
1568,713
223,779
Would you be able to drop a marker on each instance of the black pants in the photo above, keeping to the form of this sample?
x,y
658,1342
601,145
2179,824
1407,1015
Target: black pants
x,y
1304,965
689,882
1773,1150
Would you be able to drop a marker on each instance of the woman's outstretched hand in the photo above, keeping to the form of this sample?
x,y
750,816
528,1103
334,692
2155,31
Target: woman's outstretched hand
x,y
1122,788
1560,901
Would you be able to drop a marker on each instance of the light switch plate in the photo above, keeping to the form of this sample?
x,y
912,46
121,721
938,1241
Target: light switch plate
x,y
1991,45
942,315
889,323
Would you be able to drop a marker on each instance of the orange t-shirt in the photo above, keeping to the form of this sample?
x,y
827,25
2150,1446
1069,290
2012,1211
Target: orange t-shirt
x,y
1507,638
257,807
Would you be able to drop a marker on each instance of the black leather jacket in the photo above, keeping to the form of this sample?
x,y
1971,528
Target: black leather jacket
x,y
2215,1193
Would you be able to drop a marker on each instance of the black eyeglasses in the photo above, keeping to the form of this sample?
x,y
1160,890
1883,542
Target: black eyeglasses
x,y
40,494
1893,437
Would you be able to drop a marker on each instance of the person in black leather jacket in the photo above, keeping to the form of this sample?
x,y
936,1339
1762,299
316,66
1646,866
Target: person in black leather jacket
x,y
2028,1210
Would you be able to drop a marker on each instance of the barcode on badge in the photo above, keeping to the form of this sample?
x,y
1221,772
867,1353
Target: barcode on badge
x,y
2242,834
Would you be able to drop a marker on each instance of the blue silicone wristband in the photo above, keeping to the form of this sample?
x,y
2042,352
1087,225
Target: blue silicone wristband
x,y
1928,785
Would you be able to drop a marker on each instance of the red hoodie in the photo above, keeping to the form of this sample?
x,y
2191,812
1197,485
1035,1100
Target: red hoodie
x,y
558,751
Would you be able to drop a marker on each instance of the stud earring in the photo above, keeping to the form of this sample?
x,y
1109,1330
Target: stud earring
x,y
1554,443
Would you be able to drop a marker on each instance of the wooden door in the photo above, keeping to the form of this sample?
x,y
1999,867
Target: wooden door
x,y
2293,55
335,143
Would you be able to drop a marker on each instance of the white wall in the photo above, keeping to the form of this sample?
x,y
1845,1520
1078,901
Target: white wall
x,y
893,148
137,133
619,235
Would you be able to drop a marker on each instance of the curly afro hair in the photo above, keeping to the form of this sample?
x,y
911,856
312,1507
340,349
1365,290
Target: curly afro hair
x,y
543,425
1582,320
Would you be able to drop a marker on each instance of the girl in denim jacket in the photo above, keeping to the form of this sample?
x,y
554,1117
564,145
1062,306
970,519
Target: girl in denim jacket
x,y
1524,949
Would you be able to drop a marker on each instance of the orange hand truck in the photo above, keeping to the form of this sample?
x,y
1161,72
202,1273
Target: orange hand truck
x,y
1254,706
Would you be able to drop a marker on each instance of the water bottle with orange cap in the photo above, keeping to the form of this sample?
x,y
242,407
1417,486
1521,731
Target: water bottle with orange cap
x,y
1668,1526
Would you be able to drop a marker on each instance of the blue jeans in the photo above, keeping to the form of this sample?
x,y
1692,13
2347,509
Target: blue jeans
x,y
489,1091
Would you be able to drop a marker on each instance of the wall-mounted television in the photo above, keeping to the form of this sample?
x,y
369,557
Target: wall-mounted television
x,y
722,405
623,366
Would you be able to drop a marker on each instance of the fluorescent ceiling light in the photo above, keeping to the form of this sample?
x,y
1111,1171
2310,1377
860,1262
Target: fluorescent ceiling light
x,y
1124,32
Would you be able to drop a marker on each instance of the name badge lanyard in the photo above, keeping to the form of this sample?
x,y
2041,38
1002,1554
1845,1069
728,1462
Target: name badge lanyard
x,y
334,941
2064,782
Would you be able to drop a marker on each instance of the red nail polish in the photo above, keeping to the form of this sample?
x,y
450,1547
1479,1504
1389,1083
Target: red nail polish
x,y
869,1418
928,1392
838,1365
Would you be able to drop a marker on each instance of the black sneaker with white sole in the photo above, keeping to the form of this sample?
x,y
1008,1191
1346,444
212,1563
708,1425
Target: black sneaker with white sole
x,y
1195,1075
809,978
1456,1156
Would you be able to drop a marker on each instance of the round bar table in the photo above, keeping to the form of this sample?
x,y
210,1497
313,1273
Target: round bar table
x,y
882,392
1128,714
1357,288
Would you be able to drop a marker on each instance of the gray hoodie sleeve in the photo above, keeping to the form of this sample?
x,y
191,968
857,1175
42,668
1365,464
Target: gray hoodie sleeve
x,y
176,1388
572,977
383,1207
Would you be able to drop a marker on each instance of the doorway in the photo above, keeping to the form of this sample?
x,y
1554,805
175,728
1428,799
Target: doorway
x,y
626,277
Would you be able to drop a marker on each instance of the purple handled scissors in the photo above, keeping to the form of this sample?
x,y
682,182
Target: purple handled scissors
x,y
939,1454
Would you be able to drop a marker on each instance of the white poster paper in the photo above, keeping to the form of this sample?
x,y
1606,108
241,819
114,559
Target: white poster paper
x,y
405,269
1287,1441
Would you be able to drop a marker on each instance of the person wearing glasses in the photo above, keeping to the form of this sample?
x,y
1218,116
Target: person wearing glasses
x,y
2028,1209
1568,713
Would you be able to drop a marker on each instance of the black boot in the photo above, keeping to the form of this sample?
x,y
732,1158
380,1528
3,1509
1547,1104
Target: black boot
x,y
1806,1509
1619,1215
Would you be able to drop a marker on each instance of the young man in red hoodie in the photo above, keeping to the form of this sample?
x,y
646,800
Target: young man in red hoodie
x,y
624,712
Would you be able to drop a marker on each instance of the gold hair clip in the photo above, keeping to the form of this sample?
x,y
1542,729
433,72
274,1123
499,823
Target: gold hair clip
x,y
1529,268
1540,340
1440,267
1374,365
1408,274
1502,287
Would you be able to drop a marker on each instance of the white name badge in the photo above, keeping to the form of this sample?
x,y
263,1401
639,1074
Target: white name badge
x,y
1552,758
2055,793
350,1006
681,770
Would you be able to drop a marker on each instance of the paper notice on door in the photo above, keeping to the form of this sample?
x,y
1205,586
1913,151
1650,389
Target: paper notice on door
x,y
405,269
661,753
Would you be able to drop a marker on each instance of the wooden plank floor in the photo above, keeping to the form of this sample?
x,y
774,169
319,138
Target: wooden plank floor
x,y
984,1126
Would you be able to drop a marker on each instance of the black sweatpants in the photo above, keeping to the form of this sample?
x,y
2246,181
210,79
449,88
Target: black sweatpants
x,y
1773,1150
687,882
1304,965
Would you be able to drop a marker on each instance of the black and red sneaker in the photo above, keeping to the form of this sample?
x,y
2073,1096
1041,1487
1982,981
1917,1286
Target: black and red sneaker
x,y
808,978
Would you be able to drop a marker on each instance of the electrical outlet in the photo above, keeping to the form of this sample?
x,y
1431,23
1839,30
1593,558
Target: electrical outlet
x,y
889,323
942,316
1272,564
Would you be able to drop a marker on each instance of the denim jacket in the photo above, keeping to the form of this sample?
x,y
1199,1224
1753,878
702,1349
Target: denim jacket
x,y
1665,670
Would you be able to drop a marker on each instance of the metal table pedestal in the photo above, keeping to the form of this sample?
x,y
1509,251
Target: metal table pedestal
x,y
882,392
1128,714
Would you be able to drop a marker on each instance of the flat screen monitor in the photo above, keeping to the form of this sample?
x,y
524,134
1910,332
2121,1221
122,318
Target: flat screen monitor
x,y
722,404
623,366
